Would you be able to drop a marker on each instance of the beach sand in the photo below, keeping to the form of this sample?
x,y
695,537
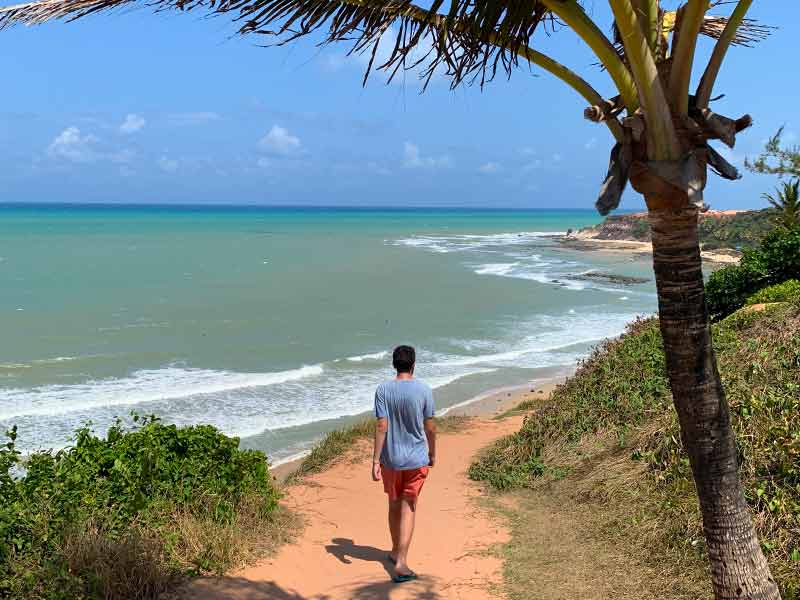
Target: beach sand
x,y
578,241
341,553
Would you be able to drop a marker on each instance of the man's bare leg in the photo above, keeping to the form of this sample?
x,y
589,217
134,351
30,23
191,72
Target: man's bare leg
x,y
408,511
395,511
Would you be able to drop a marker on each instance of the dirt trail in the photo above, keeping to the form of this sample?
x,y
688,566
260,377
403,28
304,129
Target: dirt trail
x,y
341,553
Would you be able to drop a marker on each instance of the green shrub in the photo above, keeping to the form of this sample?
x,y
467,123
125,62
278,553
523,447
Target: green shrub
x,y
782,292
780,252
776,260
728,289
134,493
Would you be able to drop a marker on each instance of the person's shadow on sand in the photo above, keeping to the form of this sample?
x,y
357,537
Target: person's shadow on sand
x,y
346,549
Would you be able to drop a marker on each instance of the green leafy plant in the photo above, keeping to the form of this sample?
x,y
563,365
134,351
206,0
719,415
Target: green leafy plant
x,y
121,516
776,260
782,292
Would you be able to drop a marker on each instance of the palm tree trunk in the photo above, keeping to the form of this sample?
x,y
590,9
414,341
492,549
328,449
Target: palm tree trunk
x,y
738,567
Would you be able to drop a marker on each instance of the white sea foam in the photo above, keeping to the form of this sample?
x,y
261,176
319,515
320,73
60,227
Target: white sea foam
x,y
527,265
460,243
148,385
499,269
362,357
519,270
61,359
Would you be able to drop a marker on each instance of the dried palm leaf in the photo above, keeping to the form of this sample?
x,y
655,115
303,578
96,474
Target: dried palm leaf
x,y
749,32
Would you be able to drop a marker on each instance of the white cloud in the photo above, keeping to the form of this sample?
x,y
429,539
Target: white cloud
x,y
71,145
132,124
590,144
280,141
413,160
168,165
489,167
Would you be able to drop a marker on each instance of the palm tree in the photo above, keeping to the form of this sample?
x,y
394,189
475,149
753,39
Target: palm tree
x,y
788,203
661,133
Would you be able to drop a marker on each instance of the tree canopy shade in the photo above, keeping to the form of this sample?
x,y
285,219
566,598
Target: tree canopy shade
x,y
662,134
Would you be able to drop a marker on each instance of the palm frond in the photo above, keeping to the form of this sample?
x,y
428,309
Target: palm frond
x,y
473,39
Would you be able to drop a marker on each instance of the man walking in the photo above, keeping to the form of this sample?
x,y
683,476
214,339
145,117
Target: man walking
x,y
405,448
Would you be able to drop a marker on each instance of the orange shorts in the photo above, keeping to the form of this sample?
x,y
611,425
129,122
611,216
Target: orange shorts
x,y
403,484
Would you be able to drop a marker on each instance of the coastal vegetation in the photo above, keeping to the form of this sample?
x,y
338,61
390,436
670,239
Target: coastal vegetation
x,y
661,133
128,515
774,262
788,291
609,437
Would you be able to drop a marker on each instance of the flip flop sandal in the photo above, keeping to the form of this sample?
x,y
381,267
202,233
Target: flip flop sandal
x,y
405,577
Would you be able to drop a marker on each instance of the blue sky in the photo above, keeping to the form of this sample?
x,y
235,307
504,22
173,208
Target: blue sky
x,y
136,107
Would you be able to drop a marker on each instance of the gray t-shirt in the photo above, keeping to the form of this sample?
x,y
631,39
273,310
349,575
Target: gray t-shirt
x,y
405,403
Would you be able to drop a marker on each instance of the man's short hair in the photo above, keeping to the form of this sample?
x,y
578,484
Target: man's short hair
x,y
403,359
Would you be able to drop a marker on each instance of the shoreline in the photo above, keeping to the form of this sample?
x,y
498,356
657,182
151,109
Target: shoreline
x,y
486,405
636,249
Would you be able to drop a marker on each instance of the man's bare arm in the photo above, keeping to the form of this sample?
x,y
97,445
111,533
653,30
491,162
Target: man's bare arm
x,y
381,425
430,433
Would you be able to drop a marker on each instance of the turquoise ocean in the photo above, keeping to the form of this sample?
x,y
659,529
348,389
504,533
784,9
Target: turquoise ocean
x,y
275,324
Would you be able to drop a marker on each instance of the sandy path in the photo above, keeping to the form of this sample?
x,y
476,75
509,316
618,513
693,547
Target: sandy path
x,y
341,552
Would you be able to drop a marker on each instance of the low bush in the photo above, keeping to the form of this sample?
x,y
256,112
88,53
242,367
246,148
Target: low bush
x,y
123,516
782,292
776,260
621,394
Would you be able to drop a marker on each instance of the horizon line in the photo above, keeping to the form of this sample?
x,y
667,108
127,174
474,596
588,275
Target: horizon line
x,y
25,204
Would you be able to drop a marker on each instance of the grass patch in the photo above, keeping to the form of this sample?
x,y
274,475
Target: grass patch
x,y
128,515
618,408
523,408
567,549
338,443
